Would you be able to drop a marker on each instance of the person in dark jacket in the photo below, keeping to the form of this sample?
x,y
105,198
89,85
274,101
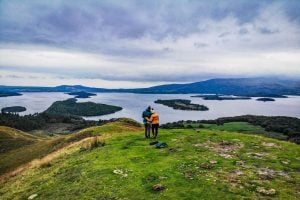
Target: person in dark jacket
x,y
147,124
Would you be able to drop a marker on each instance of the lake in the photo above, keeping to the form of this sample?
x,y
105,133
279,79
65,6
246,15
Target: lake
x,y
134,104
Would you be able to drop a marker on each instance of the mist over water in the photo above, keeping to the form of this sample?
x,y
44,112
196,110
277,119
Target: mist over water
x,y
134,104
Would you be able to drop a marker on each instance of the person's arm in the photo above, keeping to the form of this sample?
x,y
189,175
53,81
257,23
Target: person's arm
x,y
149,119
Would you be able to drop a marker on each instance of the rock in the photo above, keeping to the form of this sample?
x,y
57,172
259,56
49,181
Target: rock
x,y
225,155
213,162
158,187
266,173
189,175
225,143
237,172
258,155
206,166
240,163
198,145
32,196
120,172
282,173
285,162
268,144
265,191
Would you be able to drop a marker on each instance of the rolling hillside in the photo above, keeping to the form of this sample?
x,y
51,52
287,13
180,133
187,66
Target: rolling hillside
x,y
197,164
11,138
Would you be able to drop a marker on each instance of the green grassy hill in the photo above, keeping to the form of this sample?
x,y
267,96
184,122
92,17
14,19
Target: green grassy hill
x,y
11,138
116,162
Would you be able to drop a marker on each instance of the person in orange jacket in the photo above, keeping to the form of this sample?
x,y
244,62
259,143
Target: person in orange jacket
x,y
154,119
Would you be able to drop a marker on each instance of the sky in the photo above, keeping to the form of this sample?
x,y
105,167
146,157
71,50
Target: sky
x,y
134,43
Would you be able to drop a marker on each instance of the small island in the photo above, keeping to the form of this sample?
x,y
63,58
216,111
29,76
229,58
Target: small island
x,y
264,99
221,98
82,94
71,107
8,94
13,109
181,104
270,95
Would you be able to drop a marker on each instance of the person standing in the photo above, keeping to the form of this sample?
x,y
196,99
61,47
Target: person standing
x,y
147,114
154,119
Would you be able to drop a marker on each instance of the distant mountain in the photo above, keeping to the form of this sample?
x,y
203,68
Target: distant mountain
x,y
232,86
237,86
61,88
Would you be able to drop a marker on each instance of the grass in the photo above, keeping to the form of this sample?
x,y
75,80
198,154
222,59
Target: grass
x,y
241,127
192,167
11,138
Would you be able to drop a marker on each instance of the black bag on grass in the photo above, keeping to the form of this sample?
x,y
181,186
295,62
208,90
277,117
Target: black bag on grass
x,y
161,145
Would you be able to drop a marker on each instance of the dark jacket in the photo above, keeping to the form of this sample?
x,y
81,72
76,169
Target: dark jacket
x,y
147,114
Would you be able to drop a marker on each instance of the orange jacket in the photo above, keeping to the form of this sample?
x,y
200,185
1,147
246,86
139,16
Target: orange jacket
x,y
154,119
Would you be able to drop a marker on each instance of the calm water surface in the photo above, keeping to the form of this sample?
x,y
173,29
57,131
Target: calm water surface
x,y
134,104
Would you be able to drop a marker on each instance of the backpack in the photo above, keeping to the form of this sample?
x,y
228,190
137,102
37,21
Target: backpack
x,y
161,145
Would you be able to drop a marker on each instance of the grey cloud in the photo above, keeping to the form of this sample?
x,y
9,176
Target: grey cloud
x,y
265,30
243,31
199,45
224,34
100,25
13,76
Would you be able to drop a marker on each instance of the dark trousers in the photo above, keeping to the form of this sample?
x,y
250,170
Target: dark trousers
x,y
155,130
147,130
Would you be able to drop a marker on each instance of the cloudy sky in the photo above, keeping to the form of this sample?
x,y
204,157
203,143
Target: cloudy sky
x,y
141,43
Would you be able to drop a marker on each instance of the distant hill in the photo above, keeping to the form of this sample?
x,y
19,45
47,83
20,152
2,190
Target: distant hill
x,y
61,88
237,86
8,94
233,86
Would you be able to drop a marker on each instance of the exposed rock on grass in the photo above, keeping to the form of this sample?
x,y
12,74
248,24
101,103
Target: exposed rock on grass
x,y
266,173
33,196
286,162
240,163
237,172
120,172
189,175
226,149
158,187
265,191
258,155
268,144
206,166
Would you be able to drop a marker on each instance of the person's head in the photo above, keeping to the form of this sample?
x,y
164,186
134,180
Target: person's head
x,y
149,108
152,110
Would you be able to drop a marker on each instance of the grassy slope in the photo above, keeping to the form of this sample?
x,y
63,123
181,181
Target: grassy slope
x,y
242,127
11,138
88,174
